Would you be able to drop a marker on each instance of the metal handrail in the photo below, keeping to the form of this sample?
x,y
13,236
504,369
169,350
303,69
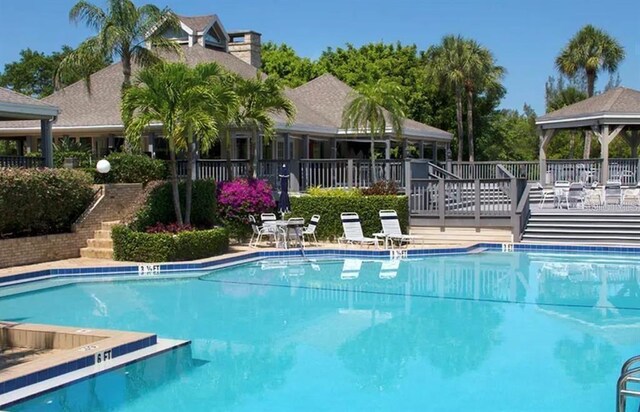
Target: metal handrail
x,y
626,373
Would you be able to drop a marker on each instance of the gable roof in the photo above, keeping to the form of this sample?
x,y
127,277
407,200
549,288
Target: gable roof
x,y
328,96
616,102
14,105
197,23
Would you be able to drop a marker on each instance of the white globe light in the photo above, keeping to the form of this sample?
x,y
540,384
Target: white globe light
x,y
103,166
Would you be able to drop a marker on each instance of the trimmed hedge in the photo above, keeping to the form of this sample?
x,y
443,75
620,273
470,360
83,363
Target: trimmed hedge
x,y
159,207
367,207
42,201
166,247
132,168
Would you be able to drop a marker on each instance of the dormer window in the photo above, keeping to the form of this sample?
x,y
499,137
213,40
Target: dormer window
x,y
178,35
213,39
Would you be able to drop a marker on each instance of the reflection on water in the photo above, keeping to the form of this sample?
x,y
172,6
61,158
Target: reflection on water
x,y
373,323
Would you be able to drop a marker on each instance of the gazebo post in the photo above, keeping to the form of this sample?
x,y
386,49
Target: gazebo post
x,y
545,136
605,138
46,134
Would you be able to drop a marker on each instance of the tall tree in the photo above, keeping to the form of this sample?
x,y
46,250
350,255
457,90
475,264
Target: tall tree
x,y
186,102
259,99
448,64
33,73
590,51
282,61
124,31
374,107
483,75
558,94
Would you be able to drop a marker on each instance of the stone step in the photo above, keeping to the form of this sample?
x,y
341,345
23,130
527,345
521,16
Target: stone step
x,y
96,253
100,243
102,234
109,225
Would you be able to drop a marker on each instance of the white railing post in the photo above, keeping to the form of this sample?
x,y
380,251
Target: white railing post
x,y
407,177
350,182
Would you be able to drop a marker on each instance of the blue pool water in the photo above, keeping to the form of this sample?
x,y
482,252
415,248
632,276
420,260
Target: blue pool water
x,y
483,332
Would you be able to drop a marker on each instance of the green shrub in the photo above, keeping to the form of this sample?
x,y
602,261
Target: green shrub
x,y
367,207
318,191
165,247
132,168
159,206
42,201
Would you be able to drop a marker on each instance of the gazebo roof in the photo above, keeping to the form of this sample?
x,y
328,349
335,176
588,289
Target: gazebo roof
x,y
620,106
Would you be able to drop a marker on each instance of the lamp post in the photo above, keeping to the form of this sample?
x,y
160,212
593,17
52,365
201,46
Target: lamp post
x,y
103,166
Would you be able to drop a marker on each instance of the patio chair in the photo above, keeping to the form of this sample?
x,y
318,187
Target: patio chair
x,y
560,189
613,193
389,269
391,228
353,230
631,197
310,229
544,193
593,197
351,269
294,232
257,232
575,195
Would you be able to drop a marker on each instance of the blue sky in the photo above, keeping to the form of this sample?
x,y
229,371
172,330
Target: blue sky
x,y
524,35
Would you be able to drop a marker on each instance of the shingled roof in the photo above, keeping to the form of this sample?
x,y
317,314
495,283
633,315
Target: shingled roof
x,y
329,96
197,23
614,102
14,105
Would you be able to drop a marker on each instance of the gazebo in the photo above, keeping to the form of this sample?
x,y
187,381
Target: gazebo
x,y
16,106
612,113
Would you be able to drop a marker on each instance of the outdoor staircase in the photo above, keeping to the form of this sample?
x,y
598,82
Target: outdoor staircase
x,y
101,246
583,226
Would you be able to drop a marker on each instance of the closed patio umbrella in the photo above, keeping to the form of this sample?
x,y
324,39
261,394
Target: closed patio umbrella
x,y
284,204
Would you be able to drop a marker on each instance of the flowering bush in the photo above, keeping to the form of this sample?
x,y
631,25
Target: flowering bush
x,y
168,228
240,198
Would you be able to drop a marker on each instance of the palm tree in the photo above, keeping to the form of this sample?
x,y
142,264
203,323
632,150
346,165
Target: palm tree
x,y
186,102
125,31
483,75
372,108
259,98
448,64
590,51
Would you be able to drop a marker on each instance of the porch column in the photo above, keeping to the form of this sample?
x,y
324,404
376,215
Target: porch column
x,y
421,150
545,137
333,145
285,140
20,147
405,149
448,157
305,146
46,136
258,155
434,153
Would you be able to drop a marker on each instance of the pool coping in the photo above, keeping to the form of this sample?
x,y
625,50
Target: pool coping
x,y
71,377
145,270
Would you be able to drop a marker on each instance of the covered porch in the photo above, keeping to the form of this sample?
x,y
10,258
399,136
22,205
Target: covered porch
x,y
15,106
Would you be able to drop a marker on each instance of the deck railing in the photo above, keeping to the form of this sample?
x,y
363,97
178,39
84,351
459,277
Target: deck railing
x,y
21,161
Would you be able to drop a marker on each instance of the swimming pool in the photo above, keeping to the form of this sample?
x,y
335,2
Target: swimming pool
x,y
483,332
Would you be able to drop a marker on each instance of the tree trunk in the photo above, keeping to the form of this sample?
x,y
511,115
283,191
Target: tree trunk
x,y
126,71
459,123
373,160
188,189
470,125
228,154
591,80
174,184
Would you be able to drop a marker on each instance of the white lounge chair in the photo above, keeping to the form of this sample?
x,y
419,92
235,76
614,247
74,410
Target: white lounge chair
x,y
353,230
391,229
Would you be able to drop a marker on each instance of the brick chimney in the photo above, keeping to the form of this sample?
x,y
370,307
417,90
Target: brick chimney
x,y
245,44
